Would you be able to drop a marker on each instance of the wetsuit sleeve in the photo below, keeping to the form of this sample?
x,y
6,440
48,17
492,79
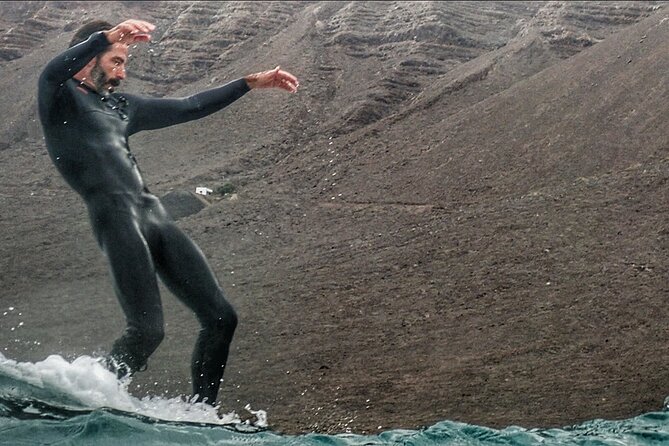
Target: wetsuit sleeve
x,y
156,113
69,63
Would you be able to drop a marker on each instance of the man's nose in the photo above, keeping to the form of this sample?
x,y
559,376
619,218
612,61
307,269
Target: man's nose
x,y
119,72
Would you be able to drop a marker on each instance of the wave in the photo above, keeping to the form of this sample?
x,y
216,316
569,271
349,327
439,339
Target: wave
x,y
101,427
56,387
81,403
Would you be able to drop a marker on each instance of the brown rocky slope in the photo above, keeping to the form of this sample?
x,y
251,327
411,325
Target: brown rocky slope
x,y
461,215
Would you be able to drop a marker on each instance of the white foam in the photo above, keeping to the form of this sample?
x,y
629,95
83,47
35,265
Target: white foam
x,y
87,382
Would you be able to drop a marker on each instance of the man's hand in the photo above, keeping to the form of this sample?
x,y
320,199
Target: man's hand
x,y
130,31
276,78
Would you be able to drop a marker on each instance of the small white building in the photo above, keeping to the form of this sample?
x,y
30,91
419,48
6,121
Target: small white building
x,y
203,190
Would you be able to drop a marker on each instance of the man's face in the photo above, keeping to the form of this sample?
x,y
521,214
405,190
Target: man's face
x,y
109,69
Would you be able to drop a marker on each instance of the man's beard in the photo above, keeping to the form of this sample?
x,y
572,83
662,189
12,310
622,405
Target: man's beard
x,y
103,84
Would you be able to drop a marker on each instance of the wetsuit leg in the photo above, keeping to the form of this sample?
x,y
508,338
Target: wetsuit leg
x,y
136,287
184,270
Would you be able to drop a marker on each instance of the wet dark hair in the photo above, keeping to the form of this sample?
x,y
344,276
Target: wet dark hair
x,y
89,28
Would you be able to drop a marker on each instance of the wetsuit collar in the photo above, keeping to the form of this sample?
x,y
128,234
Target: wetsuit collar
x,y
91,89
84,85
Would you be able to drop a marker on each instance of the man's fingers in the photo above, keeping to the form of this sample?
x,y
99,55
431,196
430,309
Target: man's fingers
x,y
131,31
139,26
286,84
142,37
275,78
288,76
287,81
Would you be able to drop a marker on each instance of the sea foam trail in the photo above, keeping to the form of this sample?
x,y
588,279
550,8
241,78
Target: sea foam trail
x,y
84,384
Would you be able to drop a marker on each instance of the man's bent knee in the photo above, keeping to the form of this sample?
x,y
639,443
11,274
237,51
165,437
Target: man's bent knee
x,y
224,320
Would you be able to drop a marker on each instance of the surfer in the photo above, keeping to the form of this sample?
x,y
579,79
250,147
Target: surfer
x,y
86,125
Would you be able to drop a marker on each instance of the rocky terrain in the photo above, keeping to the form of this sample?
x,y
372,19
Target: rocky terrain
x,y
461,214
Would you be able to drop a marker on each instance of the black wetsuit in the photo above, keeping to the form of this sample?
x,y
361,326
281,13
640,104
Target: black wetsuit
x,y
87,138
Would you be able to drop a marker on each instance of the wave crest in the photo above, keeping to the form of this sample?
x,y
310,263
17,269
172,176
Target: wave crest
x,y
55,386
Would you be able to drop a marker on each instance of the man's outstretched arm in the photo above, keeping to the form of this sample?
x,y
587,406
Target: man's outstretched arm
x,y
155,113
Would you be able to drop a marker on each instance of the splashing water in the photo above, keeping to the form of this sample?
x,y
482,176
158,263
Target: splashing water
x,y
85,384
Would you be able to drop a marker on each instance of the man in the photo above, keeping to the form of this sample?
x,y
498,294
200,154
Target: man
x,y
86,127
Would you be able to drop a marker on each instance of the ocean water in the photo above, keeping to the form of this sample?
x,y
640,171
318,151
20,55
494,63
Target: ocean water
x,y
56,402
